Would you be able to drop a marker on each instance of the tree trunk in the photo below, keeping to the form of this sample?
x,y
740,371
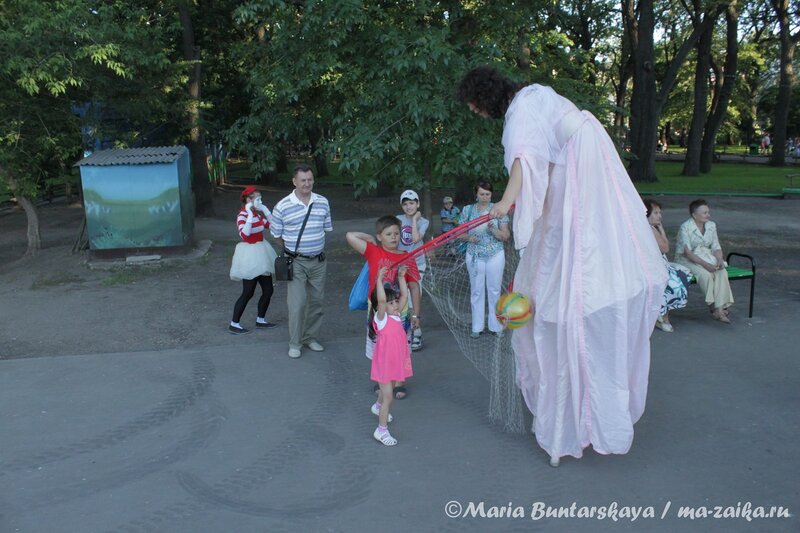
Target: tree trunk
x,y
320,161
524,53
625,72
780,121
427,201
621,93
282,164
203,191
34,235
723,96
644,114
691,163
646,101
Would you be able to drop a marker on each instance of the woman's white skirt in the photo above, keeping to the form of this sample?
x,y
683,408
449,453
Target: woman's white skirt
x,y
252,260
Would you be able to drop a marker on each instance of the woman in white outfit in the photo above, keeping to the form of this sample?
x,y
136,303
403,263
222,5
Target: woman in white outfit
x,y
698,249
485,259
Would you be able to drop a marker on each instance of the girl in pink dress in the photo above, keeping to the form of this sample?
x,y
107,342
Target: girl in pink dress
x,y
391,360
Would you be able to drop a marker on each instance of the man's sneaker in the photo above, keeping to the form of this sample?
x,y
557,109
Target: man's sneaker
x,y
266,325
416,343
314,346
238,331
294,353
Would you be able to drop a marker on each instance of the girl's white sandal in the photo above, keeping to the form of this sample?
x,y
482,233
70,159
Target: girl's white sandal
x,y
384,437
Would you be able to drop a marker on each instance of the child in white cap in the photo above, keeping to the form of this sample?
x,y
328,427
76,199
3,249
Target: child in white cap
x,y
412,232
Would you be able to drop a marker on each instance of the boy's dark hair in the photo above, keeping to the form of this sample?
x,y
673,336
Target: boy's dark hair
x,y
385,222
694,206
488,89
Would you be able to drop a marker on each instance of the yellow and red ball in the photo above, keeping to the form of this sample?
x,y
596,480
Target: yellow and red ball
x,y
513,310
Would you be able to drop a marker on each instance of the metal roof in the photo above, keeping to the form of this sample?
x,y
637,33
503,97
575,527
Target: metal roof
x,y
133,156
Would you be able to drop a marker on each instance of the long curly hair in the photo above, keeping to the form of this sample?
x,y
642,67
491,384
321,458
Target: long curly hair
x,y
488,89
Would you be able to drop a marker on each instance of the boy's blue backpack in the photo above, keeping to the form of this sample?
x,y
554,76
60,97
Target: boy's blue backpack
x,y
359,294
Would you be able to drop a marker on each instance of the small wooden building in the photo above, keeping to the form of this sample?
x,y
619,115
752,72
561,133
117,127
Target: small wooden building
x,y
138,198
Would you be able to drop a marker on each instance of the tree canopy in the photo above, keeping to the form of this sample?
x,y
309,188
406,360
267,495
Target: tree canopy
x,y
371,82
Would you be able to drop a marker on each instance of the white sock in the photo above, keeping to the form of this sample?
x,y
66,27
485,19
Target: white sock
x,y
236,325
261,320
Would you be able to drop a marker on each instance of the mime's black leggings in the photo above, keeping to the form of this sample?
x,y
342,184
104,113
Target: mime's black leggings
x,y
248,290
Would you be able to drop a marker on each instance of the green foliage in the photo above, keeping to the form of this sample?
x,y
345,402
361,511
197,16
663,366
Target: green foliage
x,y
380,78
766,106
369,82
51,51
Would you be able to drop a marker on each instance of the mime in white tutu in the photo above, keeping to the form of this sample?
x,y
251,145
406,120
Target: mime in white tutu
x,y
253,260
590,267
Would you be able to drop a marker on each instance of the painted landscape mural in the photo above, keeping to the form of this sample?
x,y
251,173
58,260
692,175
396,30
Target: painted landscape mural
x,y
131,210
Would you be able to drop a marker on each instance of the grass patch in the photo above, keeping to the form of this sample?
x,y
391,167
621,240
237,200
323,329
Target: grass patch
x,y
723,178
55,281
123,277
729,149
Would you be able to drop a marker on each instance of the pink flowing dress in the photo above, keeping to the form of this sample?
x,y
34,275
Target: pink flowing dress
x,y
593,272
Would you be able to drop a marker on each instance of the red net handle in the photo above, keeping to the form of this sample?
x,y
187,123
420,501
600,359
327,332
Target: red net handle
x,y
445,237
442,239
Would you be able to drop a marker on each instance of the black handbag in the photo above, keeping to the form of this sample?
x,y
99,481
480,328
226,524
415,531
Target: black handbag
x,y
284,264
284,268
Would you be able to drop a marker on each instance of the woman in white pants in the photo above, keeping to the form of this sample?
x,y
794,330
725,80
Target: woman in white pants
x,y
485,259
698,249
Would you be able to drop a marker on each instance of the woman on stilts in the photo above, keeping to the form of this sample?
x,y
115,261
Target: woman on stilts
x,y
590,267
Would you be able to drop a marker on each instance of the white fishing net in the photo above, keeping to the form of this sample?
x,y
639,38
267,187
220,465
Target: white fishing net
x,y
448,286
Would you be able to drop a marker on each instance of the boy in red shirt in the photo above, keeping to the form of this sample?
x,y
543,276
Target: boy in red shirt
x,y
381,251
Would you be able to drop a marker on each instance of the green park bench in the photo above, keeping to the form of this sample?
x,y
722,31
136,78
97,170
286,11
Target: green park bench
x,y
738,273
792,190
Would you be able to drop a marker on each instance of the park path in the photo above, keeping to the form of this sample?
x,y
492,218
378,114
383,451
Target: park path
x,y
228,434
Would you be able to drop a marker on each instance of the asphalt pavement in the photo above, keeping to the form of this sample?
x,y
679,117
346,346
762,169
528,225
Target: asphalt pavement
x,y
216,439
222,438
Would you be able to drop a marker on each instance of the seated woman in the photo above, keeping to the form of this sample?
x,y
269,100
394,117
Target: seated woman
x,y
485,259
675,291
698,250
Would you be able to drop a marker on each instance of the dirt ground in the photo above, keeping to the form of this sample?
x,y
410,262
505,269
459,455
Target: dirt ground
x,y
60,303
55,304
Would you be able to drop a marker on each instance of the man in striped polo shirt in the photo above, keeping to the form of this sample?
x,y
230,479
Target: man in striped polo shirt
x,y
306,291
